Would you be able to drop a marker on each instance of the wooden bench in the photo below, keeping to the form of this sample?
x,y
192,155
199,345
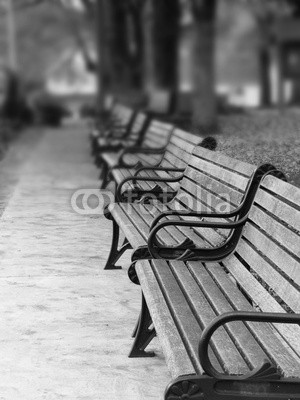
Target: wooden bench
x,y
116,127
160,182
230,329
149,151
211,182
133,136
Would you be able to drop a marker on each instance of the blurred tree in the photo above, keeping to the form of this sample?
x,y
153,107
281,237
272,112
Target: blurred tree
x,y
203,64
43,35
161,28
266,13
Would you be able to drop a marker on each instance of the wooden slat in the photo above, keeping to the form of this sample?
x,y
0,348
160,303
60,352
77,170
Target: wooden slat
x,y
277,352
210,293
262,298
284,262
224,161
288,238
175,354
287,191
182,314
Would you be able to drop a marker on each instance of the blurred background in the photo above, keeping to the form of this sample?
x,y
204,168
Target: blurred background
x,y
224,67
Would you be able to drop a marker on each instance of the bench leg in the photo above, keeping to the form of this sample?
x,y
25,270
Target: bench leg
x,y
132,275
103,176
115,254
98,161
133,335
144,334
204,387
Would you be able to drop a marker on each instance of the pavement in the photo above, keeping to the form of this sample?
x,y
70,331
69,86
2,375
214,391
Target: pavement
x,y
65,322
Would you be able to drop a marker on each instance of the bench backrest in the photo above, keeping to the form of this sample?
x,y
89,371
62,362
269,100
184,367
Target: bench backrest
x,y
137,128
157,134
108,102
266,263
213,182
180,148
121,114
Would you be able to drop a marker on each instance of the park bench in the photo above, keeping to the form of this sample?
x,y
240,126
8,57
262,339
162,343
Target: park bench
x,y
115,127
108,105
165,178
211,182
133,136
149,150
229,328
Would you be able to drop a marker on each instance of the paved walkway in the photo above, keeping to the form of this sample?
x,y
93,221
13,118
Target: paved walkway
x,y
65,323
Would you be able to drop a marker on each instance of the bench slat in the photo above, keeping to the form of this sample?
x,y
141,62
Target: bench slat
x,y
181,312
262,298
287,361
176,356
224,348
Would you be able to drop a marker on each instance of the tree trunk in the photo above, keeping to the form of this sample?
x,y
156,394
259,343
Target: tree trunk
x,y
161,43
264,66
204,103
100,41
149,48
166,26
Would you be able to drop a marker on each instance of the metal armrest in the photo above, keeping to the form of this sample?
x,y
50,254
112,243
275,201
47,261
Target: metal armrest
x,y
166,169
187,213
144,150
247,201
187,250
250,316
144,179
138,150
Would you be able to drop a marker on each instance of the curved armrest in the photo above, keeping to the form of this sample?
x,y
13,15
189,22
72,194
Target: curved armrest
x,y
166,169
188,250
137,150
188,213
250,316
143,179
144,150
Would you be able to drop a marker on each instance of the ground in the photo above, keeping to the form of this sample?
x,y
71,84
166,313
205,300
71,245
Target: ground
x,y
66,323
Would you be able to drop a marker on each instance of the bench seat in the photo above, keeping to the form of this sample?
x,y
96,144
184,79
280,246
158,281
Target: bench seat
x,y
261,276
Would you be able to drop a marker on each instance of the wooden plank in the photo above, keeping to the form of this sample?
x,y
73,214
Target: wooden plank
x,y
278,231
279,209
287,191
277,351
263,299
224,161
228,177
213,295
125,224
276,254
266,271
177,359
186,323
